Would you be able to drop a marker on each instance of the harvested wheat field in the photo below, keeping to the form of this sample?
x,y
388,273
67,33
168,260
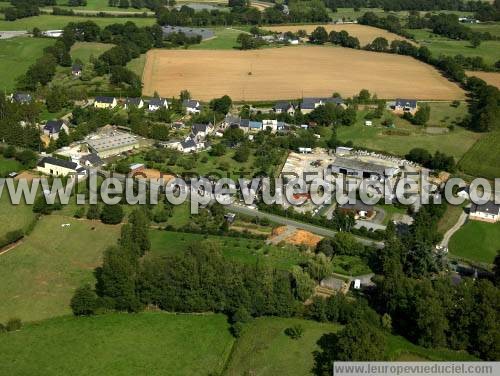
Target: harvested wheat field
x,y
365,34
491,78
292,72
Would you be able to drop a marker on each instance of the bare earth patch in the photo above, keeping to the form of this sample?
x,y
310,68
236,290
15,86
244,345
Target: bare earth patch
x,y
491,78
292,72
365,34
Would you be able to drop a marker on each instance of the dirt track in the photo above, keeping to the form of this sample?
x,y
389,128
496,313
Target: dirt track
x,y
292,72
365,34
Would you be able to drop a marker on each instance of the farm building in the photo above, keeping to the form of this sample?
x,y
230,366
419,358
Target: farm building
x,y
105,102
134,103
188,31
405,105
191,106
53,127
487,212
113,144
308,105
58,167
156,103
361,169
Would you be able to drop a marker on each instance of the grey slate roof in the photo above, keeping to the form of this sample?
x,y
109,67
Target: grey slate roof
x,y
310,103
283,106
57,162
53,126
191,103
198,128
188,31
76,68
133,101
412,103
188,143
489,207
92,158
157,102
104,99
22,97
355,164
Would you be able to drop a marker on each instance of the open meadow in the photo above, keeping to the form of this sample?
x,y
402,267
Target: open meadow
x,y
13,217
50,22
439,45
482,159
84,50
38,277
118,344
16,55
308,71
476,241
365,34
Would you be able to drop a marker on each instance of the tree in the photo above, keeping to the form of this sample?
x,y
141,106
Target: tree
x,y
295,332
62,139
112,214
218,150
496,269
184,95
319,36
379,44
13,324
221,105
475,40
84,301
247,42
93,212
422,115
358,341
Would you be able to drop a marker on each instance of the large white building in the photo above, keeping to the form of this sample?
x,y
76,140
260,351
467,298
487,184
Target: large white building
x,y
58,167
487,212
113,144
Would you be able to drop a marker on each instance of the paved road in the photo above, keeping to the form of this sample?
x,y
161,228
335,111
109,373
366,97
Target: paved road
x,y
455,228
304,226
12,34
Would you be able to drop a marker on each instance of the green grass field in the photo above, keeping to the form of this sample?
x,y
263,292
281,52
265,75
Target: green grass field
x,y
264,349
16,55
487,27
243,250
482,158
84,50
102,6
49,22
406,136
137,65
13,217
9,165
225,39
118,344
38,277
489,50
476,241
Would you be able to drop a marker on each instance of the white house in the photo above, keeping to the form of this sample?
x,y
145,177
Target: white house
x,y
76,70
105,102
192,106
284,107
201,131
405,105
53,127
156,103
59,167
133,102
487,212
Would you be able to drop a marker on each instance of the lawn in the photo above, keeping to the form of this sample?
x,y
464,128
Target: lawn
x,y
102,6
244,250
264,349
119,344
13,217
438,45
225,39
16,55
9,165
49,22
450,217
137,65
483,158
476,241
84,50
350,265
38,277
405,136
487,27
